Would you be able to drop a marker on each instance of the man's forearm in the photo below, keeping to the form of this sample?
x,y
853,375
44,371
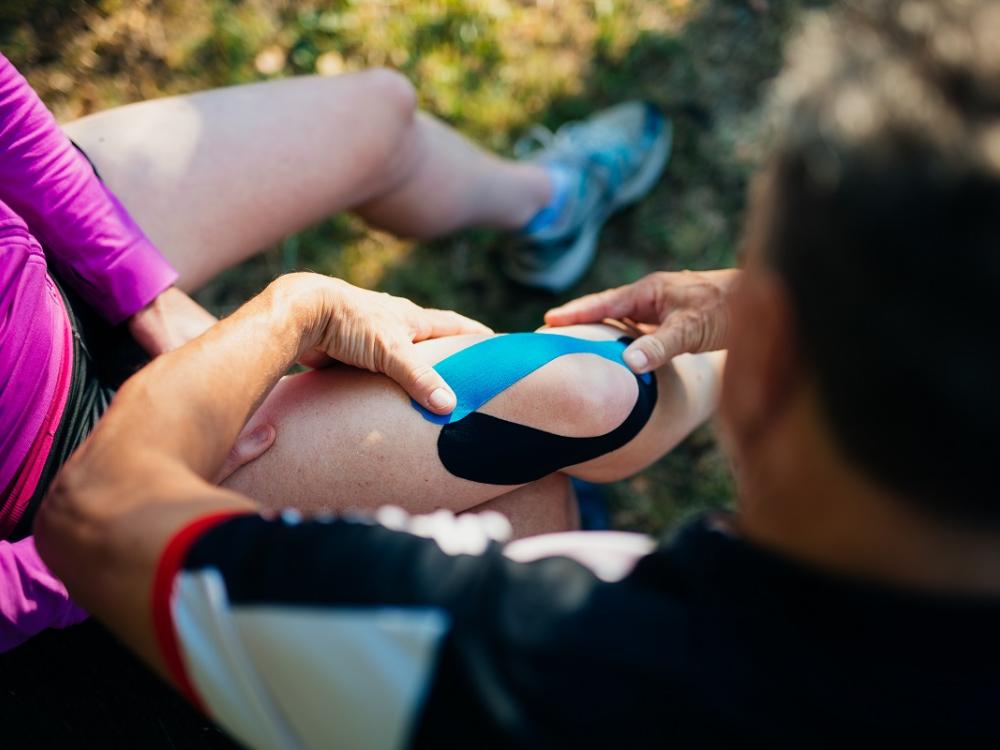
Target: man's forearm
x,y
190,404
147,470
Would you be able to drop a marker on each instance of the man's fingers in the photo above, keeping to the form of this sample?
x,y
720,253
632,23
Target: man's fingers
x,y
316,360
654,350
432,324
420,380
591,308
248,447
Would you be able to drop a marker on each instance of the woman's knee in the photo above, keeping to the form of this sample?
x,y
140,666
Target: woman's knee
x,y
575,396
389,93
380,105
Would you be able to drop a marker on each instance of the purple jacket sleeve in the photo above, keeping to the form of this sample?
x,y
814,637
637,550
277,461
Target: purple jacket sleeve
x,y
88,236
31,598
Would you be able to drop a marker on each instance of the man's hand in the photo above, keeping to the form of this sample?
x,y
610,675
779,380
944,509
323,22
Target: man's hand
x,y
249,446
169,322
684,312
376,331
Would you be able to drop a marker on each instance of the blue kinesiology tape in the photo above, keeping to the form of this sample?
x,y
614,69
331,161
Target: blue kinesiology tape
x,y
482,371
490,450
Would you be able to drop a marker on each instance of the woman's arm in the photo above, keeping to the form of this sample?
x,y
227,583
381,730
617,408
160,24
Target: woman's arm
x,y
31,598
348,439
88,235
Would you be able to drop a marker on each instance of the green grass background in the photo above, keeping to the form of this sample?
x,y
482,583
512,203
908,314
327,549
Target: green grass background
x,y
491,68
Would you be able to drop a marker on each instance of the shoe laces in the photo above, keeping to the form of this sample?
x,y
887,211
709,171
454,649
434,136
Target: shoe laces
x,y
578,143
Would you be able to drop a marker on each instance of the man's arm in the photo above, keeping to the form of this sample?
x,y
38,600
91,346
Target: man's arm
x,y
683,312
146,471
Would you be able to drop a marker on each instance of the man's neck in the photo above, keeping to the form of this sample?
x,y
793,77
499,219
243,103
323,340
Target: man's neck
x,y
803,499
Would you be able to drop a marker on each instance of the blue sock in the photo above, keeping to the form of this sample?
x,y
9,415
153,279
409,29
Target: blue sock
x,y
562,180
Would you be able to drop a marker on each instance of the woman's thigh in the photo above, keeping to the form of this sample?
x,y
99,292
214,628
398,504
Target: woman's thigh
x,y
350,441
216,176
351,438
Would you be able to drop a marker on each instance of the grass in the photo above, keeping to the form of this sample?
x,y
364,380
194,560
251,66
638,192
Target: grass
x,y
490,68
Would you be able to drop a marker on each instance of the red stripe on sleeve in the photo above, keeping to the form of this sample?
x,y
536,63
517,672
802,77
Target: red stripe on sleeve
x,y
163,585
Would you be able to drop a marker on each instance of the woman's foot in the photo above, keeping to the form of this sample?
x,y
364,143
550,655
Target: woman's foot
x,y
597,166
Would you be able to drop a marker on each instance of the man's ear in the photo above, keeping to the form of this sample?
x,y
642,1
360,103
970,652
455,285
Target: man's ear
x,y
763,368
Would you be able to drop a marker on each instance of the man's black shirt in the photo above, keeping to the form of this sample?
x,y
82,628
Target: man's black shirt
x,y
709,639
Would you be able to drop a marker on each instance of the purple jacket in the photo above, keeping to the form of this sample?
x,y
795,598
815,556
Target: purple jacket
x,y
51,199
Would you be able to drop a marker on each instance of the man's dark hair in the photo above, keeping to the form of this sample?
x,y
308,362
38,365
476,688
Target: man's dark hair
x,y
885,225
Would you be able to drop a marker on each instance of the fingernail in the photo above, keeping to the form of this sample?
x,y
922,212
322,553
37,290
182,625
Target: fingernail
x,y
261,434
636,359
441,399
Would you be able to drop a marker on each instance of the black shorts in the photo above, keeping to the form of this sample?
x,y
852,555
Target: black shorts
x,y
104,356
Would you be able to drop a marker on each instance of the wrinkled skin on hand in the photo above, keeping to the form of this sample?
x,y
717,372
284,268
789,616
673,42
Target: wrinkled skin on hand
x,y
679,312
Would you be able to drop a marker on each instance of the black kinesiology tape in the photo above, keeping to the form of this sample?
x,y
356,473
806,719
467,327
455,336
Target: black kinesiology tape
x,y
490,450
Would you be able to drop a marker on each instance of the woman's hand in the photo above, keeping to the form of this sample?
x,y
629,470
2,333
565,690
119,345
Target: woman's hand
x,y
683,312
169,322
376,331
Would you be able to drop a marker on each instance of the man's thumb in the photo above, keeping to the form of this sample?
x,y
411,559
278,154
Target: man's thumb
x,y
422,382
654,350
248,447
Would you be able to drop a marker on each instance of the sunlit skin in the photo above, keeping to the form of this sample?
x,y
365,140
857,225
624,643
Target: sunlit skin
x,y
232,171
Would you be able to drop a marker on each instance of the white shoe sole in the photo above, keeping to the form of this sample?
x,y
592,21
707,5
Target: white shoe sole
x,y
566,271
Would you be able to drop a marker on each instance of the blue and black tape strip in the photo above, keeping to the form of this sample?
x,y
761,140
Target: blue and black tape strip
x,y
490,450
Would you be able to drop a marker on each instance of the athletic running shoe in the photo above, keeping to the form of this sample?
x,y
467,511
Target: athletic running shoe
x,y
599,165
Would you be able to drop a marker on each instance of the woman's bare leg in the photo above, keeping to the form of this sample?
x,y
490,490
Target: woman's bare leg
x,y
217,176
351,439
542,507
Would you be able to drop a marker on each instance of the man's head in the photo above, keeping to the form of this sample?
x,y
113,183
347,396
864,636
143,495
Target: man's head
x,y
874,252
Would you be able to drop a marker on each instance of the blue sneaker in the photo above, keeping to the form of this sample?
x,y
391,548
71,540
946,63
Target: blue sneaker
x,y
598,166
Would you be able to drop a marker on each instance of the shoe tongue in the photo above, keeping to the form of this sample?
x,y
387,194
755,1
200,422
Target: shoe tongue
x,y
564,186
607,132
